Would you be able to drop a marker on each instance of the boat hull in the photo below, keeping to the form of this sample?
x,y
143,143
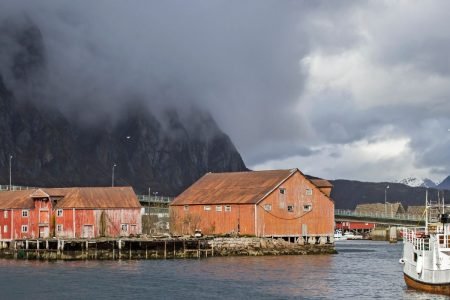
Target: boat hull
x,y
437,288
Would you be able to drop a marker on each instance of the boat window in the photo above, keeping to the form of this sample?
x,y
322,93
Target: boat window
x,y
415,256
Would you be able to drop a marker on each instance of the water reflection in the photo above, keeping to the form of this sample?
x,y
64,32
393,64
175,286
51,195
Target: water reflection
x,y
361,270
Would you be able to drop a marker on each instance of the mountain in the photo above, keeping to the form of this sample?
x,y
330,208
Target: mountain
x,y
445,184
165,153
415,182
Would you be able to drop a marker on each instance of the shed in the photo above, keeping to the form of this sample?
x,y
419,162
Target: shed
x,y
79,212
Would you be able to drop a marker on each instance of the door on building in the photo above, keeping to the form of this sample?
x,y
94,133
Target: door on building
x,y
304,230
44,232
88,231
44,216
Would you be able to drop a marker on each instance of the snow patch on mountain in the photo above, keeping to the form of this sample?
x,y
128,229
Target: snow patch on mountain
x,y
416,182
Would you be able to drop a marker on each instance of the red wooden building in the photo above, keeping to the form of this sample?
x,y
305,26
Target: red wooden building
x,y
283,203
69,213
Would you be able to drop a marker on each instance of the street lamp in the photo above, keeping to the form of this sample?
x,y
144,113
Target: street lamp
x,y
10,180
112,178
385,200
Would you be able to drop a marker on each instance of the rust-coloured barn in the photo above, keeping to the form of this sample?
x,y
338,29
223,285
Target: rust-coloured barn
x,y
282,203
87,212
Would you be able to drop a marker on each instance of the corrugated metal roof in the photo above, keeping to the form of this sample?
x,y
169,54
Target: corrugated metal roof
x,y
77,197
99,197
233,188
16,199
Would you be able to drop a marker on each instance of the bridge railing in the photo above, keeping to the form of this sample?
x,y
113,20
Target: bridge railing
x,y
4,187
154,199
378,215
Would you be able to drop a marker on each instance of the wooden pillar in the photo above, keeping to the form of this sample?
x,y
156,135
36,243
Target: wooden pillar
x,y
26,244
165,249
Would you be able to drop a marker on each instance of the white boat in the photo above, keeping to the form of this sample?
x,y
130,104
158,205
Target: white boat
x,y
349,235
338,235
426,251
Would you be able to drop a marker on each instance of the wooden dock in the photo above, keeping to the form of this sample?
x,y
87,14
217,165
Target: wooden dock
x,y
111,249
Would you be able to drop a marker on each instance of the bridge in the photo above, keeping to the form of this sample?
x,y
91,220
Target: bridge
x,y
378,218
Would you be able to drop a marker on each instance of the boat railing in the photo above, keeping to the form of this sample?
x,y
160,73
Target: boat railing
x,y
417,237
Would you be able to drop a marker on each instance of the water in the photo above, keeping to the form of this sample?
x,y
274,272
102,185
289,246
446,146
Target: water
x,y
361,270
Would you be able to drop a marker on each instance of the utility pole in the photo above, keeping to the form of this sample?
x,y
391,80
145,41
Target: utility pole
x,y
385,201
10,177
112,177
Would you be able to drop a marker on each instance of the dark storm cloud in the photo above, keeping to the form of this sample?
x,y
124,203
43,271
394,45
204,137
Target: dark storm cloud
x,y
238,59
293,82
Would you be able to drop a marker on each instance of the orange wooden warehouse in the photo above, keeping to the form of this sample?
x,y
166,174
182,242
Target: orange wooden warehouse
x,y
277,203
88,212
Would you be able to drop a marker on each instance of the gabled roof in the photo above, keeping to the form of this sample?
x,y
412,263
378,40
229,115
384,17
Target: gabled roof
x,y
234,187
381,208
416,210
78,197
39,194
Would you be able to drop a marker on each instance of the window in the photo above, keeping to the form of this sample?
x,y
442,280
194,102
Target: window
x,y
227,207
307,207
24,228
25,213
59,212
268,207
186,207
5,228
5,214
308,192
59,227
219,208
125,227
282,191
207,207
290,208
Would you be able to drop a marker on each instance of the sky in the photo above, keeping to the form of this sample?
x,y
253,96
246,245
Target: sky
x,y
339,89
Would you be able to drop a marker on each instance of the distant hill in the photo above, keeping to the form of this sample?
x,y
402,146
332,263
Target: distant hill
x,y
348,193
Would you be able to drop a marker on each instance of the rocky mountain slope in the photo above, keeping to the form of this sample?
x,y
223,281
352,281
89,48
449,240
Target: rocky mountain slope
x,y
167,153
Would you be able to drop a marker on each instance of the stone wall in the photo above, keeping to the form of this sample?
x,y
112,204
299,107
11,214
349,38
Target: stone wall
x,y
268,246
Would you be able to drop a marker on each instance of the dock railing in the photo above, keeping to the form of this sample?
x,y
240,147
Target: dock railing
x,y
5,187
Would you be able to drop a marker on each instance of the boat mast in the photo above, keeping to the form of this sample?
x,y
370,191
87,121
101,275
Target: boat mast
x,y
426,211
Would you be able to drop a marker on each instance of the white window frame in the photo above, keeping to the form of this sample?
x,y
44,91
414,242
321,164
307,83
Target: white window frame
x,y
207,207
227,208
59,227
25,213
290,208
5,214
218,207
283,191
5,229
122,226
24,228
59,212
186,207
307,207
267,207
309,192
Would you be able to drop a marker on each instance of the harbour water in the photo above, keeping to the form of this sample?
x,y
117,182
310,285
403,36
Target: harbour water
x,y
361,270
